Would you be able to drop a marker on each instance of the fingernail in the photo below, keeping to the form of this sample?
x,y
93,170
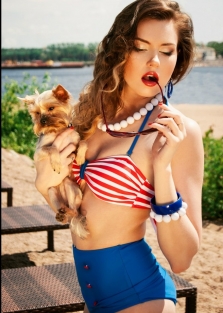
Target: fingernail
x,y
150,124
160,103
159,115
71,127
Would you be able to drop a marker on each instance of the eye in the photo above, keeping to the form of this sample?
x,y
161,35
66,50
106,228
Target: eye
x,y
167,53
140,46
51,109
139,49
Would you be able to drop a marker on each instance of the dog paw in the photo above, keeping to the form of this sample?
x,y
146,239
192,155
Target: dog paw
x,y
61,216
72,213
65,214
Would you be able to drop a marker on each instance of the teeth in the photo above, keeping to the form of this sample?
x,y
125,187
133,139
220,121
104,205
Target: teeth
x,y
151,78
147,77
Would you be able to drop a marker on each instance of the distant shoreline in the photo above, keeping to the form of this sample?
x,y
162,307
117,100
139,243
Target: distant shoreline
x,y
213,63
45,65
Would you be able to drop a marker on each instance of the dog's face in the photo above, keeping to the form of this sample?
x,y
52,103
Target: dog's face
x,y
50,110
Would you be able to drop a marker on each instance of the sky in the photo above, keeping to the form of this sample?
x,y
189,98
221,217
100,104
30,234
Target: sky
x,y
39,23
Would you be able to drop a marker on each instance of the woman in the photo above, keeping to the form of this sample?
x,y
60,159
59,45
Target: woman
x,y
149,45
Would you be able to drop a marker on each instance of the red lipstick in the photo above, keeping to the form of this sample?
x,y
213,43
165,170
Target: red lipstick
x,y
150,78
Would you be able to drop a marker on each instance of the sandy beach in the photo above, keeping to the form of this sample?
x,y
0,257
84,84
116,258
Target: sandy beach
x,y
207,116
206,271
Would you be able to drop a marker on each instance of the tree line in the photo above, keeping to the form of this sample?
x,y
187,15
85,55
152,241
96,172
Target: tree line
x,y
218,46
63,52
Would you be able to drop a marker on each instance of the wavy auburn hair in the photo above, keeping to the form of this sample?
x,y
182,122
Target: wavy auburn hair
x,y
113,51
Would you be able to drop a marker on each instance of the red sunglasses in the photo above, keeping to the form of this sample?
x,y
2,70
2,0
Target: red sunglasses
x,y
118,134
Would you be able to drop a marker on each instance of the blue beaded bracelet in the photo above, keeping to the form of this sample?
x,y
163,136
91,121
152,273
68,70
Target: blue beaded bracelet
x,y
166,209
168,212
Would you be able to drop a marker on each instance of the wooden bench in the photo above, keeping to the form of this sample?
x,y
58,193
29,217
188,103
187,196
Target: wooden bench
x,y
33,218
5,187
55,288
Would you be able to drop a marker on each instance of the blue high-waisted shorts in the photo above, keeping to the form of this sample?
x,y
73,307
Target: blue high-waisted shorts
x,y
115,278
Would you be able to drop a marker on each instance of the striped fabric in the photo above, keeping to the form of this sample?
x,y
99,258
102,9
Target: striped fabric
x,y
116,180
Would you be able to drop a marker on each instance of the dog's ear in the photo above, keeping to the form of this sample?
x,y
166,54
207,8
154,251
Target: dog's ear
x,y
61,93
28,100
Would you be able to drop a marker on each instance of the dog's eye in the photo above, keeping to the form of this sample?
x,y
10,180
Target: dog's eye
x,y
51,108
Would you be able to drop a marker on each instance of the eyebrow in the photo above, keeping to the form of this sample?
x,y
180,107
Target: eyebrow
x,y
164,44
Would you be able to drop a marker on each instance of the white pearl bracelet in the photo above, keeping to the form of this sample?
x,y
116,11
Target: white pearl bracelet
x,y
167,218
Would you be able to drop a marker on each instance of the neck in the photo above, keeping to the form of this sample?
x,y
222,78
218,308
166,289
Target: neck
x,y
130,98
122,119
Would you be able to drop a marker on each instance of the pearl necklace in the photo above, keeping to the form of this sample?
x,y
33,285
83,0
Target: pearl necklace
x,y
136,116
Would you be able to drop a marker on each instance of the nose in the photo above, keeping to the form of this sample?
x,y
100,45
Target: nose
x,y
153,60
43,120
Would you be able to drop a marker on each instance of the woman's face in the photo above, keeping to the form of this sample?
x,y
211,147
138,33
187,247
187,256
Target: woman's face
x,y
155,53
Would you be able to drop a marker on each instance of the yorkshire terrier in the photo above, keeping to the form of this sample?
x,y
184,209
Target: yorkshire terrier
x,y
51,113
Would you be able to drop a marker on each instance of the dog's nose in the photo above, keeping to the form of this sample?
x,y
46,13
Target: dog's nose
x,y
43,120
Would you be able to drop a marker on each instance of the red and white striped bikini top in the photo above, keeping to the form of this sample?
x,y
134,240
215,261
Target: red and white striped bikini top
x,y
117,180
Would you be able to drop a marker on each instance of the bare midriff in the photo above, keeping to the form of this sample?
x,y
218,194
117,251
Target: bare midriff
x,y
108,224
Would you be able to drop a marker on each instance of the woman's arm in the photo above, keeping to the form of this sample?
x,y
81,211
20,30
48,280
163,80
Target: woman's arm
x,y
179,167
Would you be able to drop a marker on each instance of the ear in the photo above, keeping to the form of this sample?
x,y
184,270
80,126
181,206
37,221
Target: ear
x,y
28,100
61,93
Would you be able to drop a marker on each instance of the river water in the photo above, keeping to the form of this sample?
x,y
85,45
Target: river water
x,y
203,85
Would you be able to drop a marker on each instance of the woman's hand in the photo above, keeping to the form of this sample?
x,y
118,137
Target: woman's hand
x,y
170,125
46,177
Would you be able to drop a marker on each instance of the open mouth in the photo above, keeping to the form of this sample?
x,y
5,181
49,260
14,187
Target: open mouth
x,y
150,79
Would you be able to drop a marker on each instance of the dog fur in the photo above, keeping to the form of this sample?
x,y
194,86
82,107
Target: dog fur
x,y
51,113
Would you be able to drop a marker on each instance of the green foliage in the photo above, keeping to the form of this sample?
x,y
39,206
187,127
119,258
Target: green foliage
x,y
218,46
212,194
58,52
17,126
20,54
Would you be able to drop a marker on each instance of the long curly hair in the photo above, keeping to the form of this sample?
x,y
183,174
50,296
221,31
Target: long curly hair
x,y
113,51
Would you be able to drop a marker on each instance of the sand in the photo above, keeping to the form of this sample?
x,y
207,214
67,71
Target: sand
x,y
206,271
207,116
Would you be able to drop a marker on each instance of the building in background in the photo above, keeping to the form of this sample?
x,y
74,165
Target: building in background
x,y
204,53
